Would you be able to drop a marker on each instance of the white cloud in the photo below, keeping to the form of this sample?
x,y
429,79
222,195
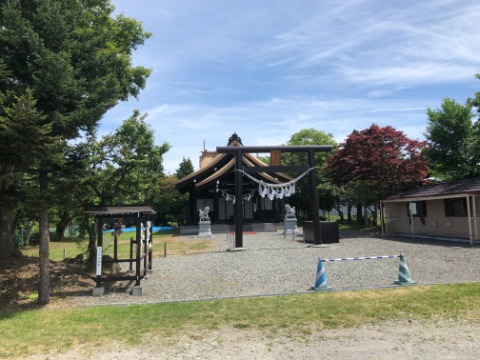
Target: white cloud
x,y
408,74
274,122
271,68
414,44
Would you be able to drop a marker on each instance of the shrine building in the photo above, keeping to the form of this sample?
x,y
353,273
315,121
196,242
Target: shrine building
x,y
213,185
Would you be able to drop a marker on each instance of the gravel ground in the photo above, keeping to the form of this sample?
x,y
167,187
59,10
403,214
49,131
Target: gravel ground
x,y
271,264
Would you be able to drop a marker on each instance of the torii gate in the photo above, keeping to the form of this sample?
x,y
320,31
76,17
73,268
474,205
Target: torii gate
x,y
238,151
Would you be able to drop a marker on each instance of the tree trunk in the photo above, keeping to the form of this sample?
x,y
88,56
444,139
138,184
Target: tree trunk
x,y
338,206
8,203
71,228
365,216
44,257
359,213
7,248
28,232
92,238
62,224
349,213
364,198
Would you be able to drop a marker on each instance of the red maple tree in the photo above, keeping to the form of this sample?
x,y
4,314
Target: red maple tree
x,y
384,158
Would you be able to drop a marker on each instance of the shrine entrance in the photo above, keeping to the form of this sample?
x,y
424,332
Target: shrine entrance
x,y
275,152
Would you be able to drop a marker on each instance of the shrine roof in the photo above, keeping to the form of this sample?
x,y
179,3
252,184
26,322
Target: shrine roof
x,y
120,210
223,165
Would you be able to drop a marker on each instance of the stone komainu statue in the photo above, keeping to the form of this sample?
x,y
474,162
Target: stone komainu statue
x,y
204,213
289,211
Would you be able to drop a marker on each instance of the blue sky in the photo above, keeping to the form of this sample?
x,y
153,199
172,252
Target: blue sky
x,y
267,69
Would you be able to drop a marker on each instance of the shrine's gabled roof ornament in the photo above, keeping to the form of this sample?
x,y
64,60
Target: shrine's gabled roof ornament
x,y
235,138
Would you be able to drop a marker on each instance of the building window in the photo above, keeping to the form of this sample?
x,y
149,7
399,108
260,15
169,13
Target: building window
x,y
420,208
456,207
226,209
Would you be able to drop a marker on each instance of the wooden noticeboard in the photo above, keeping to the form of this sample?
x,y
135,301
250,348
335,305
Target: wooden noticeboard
x,y
275,157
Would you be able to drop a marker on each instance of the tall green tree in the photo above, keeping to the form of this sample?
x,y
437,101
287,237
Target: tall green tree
x,y
120,168
132,163
476,100
24,141
75,58
184,168
452,141
169,203
311,136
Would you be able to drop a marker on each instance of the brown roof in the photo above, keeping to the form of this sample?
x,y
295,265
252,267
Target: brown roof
x,y
440,190
120,210
217,174
222,165
216,160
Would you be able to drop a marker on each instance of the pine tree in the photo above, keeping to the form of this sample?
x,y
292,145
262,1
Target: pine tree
x,y
184,168
75,58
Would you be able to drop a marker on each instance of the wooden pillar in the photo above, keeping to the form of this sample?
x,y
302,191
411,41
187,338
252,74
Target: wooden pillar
x,y
98,279
238,201
149,241
192,211
216,206
469,214
139,250
115,246
145,247
413,210
382,217
131,253
313,191
474,197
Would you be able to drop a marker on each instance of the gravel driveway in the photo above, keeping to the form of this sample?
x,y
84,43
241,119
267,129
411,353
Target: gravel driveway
x,y
271,264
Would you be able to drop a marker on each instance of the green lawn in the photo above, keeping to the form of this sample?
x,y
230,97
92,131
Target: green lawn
x,y
175,246
75,246
63,329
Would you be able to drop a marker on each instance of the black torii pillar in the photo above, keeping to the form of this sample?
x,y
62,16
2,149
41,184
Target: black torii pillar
x,y
238,201
238,152
313,190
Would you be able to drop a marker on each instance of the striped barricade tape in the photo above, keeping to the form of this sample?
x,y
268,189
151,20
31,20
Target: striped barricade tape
x,y
361,258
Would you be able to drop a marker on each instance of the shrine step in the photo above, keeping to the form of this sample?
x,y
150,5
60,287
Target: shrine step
x,y
245,228
266,227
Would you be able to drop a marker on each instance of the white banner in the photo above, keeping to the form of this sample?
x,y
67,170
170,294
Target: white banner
x,y
99,261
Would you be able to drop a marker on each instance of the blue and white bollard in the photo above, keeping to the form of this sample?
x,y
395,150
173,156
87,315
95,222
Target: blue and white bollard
x,y
321,283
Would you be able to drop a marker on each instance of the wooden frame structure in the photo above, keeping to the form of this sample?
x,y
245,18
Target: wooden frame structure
x,y
310,150
143,253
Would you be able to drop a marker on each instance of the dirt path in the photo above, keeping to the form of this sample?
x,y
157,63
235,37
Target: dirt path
x,y
392,340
